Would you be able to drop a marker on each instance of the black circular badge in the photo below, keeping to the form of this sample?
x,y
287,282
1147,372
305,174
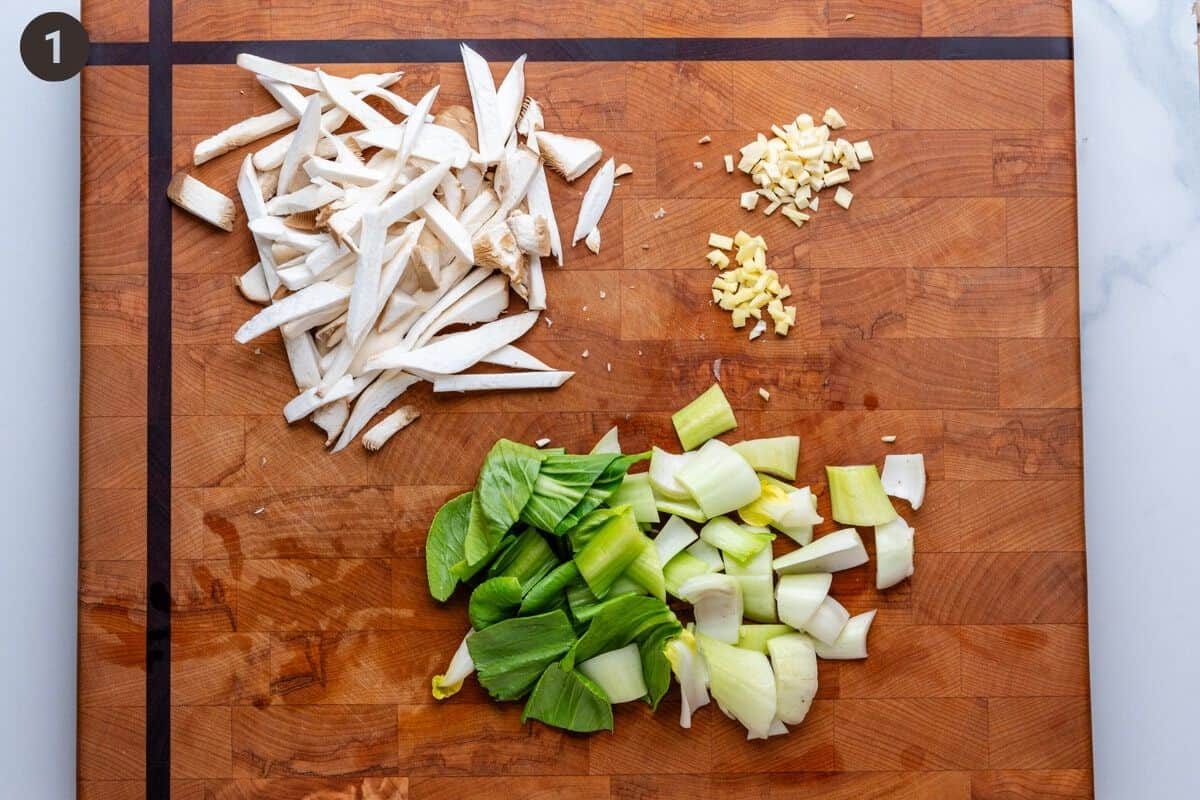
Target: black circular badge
x,y
54,46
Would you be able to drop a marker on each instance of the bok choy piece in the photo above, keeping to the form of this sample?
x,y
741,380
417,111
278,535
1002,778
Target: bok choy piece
x,y
645,621
734,540
636,493
494,600
511,655
858,497
505,485
776,456
742,683
689,670
618,673
461,666
707,416
673,538
893,553
719,479
444,545
795,665
717,602
755,637
851,643
610,550
550,591
828,622
904,477
757,584
799,596
566,698
681,569
833,552
610,442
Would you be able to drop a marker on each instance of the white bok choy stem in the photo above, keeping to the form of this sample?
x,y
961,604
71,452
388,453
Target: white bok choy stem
x,y
689,670
797,597
742,682
461,667
717,602
904,477
893,553
618,673
794,661
851,643
832,552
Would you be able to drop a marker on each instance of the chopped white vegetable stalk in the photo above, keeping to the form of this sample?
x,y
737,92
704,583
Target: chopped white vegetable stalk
x,y
794,662
690,671
904,477
742,682
851,643
664,467
595,200
832,552
201,200
514,357
392,424
798,597
828,622
461,667
717,602
618,673
610,442
719,479
673,538
893,553
504,381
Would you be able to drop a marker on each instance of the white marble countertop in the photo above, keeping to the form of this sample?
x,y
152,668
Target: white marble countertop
x,y
1138,129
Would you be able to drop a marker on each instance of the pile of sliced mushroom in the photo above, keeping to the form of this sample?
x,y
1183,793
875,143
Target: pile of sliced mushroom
x,y
378,246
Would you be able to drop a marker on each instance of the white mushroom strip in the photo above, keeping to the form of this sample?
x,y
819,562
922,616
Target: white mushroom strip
x,y
201,200
392,424
458,351
502,381
569,156
595,200
514,357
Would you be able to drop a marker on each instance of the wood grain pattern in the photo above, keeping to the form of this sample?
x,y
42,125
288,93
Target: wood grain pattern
x,y
941,308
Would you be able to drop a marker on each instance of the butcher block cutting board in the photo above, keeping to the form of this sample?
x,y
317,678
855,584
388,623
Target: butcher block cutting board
x,y
253,615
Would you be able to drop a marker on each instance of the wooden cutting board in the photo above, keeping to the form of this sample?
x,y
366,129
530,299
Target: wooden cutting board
x,y
253,618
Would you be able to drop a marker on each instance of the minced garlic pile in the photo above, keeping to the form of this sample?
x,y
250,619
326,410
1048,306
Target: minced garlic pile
x,y
749,288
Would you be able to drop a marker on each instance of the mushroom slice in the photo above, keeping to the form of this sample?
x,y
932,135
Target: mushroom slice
x,y
447,228
505,381
569,156
496,247
338,90
310,198
537,285
595,200
253,285
306,302
530,122
311,399
509,95
485,303
458,351
538,198
304,144
392,424
373,399
461,121
201,200
532,233
514,357
486,104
